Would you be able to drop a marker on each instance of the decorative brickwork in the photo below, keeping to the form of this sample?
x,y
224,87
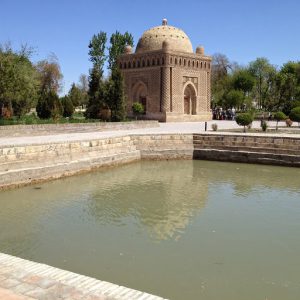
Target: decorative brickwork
x,y
159,72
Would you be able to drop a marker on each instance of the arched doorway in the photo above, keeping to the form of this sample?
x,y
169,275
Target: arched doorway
x,y
140,93
190,103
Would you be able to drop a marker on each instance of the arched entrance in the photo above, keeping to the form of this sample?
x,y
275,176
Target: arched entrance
x,y
190,100
140,93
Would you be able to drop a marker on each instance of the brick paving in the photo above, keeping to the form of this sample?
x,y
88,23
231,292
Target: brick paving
x,y
21,279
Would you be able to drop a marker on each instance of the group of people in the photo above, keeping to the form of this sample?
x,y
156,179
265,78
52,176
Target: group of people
x,y
222,114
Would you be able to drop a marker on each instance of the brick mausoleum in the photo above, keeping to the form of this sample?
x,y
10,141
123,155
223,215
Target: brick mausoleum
x,y
167,77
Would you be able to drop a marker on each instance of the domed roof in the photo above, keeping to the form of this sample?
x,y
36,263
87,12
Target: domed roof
x,y
153,38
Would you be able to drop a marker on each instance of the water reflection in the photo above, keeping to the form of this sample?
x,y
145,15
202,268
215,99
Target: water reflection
x,y
179,229
159,199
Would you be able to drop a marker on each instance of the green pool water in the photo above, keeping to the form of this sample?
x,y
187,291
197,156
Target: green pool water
x,y
179,229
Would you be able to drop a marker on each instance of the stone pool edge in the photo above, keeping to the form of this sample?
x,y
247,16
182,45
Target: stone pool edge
x,y
26,164
31,280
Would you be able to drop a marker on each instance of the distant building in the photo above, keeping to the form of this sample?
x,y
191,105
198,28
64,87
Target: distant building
x,y
167,77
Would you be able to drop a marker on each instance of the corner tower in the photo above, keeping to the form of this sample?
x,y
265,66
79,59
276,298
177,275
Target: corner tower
x,y
167,77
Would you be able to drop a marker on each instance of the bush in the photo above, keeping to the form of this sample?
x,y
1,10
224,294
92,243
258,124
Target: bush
x,y
68,108
279,116
295,115
214,127
49,106
244,119
137,109
264,126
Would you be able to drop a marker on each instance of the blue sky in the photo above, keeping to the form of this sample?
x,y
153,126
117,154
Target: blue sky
x,y
243,30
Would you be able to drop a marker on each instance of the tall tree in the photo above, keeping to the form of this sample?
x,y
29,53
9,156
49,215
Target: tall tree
x,y
50,74
222,70
75,95
83,83
288,86
243,80
18,81
118,43
116,96
264,74
115,88
96,86
49,105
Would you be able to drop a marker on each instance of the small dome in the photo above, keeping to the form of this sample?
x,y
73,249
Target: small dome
x,y
200,50
153,39
128,49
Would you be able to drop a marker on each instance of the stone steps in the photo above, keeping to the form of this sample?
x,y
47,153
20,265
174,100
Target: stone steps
x,y
247,157
249,149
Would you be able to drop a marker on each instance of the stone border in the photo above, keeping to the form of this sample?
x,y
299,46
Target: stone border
x,y
20,277
42,161
100,125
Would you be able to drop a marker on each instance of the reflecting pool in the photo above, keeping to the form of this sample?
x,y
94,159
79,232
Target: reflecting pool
x,y
178,229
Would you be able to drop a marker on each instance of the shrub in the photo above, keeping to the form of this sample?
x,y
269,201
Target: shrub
x,y
49,106
68,108
214,127
295,115
264,126
279,116
288,122
137,109
244,119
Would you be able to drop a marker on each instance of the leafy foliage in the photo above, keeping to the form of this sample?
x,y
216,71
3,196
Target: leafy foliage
x,y
49,106
68,108
97,91
76,95
18,82
118,42
244,119
280,116
137,108
264,125
295,114
116,96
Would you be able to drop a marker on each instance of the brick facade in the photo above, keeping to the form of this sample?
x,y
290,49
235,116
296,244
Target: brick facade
x,y
172,85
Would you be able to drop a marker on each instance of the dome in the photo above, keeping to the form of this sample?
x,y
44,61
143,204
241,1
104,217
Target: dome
x,y
153,39
128,49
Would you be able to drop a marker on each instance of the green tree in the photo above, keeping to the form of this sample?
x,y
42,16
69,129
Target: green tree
x,y
49,105
118,43
234,98
76,95
96,92
288,86
137,109
115,92
68,107
220,78
243,80
279,116
295,115
264,74
18,82
116,96
244,119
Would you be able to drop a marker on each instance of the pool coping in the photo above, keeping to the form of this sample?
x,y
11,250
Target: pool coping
x,y
27,280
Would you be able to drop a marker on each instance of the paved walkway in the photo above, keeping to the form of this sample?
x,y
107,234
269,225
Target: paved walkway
x,y
181,127
25,280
